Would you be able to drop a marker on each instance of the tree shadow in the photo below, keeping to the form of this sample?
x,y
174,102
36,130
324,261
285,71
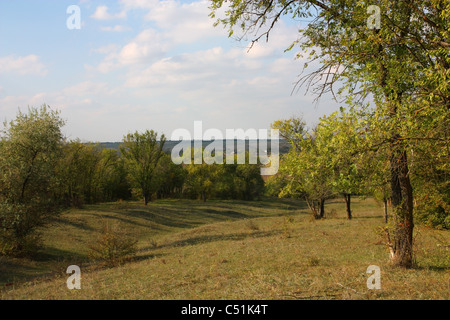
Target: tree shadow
x,y
11,270
214,238
65,221
56,254
437,268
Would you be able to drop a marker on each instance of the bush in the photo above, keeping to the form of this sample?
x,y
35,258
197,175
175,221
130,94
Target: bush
x,y
433,206
23,247
113,246
19,227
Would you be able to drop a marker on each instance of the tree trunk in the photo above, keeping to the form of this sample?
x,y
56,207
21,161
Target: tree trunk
x,y
347,197
402,203
385,210
402,197
312,206
322,208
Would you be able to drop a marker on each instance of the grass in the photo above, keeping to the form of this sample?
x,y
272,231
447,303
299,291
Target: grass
x,y
269,249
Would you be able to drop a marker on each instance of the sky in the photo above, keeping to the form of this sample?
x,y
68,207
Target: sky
x,y
135,65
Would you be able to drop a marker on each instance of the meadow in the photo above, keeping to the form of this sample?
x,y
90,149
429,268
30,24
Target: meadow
x,y
268,249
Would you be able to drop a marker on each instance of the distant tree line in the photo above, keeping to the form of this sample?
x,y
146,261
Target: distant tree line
x,y
42,173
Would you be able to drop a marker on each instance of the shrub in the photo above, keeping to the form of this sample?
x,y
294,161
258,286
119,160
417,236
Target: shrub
x,y
113,246
23,247
250,224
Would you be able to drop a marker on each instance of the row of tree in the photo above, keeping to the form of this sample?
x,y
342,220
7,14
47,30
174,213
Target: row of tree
x,y
399,64
42,173
334,159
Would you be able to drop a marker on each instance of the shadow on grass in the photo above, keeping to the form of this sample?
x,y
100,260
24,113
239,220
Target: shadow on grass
x,y
278,203
56,254
65,221
148,256
158,218
161,215
11,270
214,238
356,216
438,268
40,265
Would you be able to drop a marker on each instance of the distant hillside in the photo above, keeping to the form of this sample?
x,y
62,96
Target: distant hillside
x,y
169,145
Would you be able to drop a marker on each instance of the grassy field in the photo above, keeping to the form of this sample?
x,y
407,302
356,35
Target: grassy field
x,y
269,249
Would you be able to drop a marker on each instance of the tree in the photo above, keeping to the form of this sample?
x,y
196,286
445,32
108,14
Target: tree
x,y
375,170
201,179
248,181
78,170
342,136
169,178
91,174
30,147
111,175
306,167
403,65
141,153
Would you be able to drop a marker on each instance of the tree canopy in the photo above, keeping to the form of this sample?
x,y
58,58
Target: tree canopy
x,y
401,65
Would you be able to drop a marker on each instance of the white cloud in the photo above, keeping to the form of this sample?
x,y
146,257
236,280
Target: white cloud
x,y
147,47
174,24
101,13
184,22
139,4
28,65
110,48
116,28
86,89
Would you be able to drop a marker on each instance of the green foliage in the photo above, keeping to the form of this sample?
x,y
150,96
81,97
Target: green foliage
x,y
274,185
248,182
307,168
30,147
89,174
200,180
403,66
141,153
433,205
112,175
230,181
78,172
169,178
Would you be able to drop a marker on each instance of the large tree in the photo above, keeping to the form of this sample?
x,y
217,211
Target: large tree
x,y
30,147
306,167
141,153
342,135
402,64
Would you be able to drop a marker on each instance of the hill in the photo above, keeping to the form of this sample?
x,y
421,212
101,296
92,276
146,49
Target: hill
x,y
269,249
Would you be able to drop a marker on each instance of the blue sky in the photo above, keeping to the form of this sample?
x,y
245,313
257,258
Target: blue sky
x,y
145,64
